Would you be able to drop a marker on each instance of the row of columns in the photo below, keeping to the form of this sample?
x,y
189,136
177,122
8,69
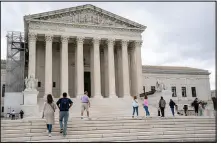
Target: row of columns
x,y
95,65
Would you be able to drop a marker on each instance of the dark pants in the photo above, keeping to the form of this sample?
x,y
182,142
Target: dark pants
x,y
49,127
21,116
172,110
147,111
13,117
162,111
135,109
196,109
185,111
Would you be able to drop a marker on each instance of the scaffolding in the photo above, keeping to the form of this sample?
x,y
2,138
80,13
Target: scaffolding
x,y
15,62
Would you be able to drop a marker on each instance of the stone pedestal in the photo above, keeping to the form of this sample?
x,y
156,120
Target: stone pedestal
x,y
30,107
31,111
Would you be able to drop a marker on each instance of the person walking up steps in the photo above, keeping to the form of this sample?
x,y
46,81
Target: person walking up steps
x,y
85,104
64,104
145,105
195,104
162,105
172,104
48,113
135,106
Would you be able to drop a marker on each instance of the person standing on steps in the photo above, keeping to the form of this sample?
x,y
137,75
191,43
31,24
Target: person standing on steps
x,y
200,109
172,104
13,115
85,104
185,108
145,105
64,104
135,106
48,112
195,104
162,105
21,114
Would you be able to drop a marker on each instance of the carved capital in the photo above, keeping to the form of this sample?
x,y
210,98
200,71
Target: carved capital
x,y
64,39
48,38
125,42
32,36
138,43
96,40
80,40
111,41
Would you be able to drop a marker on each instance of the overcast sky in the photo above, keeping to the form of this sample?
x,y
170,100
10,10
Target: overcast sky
x,y
177,34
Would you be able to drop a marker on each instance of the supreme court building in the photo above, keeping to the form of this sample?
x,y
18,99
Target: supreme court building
x,y
86,48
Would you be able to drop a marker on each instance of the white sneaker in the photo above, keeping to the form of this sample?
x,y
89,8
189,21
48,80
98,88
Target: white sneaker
x,y
49,134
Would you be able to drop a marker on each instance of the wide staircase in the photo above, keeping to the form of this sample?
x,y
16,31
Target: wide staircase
x,y
111,121
113,129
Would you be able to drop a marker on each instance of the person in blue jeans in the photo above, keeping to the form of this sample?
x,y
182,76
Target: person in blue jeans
x,y
135,105
145,105
48,113
64,105
172,104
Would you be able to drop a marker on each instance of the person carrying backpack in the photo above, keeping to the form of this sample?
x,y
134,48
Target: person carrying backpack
x,y
64,105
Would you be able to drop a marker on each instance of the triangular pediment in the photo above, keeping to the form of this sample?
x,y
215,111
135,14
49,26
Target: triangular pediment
x,y
86,15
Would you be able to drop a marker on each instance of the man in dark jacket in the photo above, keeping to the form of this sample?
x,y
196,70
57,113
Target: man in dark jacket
x,y
162,105
172,104
185,108
195,104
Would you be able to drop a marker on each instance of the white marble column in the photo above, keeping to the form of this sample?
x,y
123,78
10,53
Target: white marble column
x,y
133,71
119,71
111,72
79,67
32,54
96,68
125,68
137,52
106,85
64,65
48,64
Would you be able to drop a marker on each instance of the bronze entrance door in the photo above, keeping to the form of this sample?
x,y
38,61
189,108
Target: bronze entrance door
x,y
87,83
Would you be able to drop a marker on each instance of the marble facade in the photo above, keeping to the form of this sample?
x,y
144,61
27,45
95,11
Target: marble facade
x,y
65,45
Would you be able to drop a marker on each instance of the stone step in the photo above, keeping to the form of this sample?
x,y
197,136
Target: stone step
x,y
114,126
103,129
110,120
131,130
100,138
109,133
94,123
188,139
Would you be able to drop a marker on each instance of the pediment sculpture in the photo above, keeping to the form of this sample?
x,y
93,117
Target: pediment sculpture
x,y
88,17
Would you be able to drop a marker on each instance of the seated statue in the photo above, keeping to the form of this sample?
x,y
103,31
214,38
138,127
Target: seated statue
x,y
31,83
